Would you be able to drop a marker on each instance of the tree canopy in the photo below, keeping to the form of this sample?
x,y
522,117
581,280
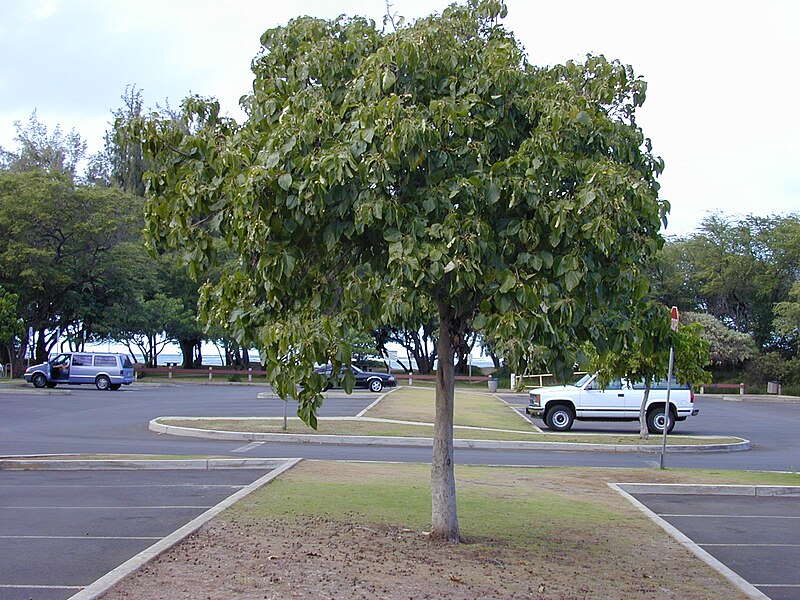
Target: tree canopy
x,y
432,166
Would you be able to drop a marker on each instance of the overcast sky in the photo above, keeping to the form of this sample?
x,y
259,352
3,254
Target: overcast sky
x,y
721,109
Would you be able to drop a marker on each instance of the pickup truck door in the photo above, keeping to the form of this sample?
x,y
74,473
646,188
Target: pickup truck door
x,y
604,403
634,393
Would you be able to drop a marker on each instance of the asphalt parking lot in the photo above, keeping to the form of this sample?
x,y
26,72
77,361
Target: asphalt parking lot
x,y
60,531
755,536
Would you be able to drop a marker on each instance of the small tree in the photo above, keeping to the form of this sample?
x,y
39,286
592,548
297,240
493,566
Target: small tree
x,y
432,167
787,316
647,358
11,326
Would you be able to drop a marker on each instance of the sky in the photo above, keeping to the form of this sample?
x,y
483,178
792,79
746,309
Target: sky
x,y
721,109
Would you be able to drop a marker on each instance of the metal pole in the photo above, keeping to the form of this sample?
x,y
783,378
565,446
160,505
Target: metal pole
x,y
666,408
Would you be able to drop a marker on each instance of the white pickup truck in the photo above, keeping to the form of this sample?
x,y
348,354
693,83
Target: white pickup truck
x,y
560,406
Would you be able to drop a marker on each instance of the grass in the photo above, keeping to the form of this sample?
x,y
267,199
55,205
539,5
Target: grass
x,y
471,409
368,428
506,503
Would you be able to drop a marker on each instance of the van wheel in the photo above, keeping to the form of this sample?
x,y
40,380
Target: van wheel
x,y
103,383
559,418
655,420
115,386
39,380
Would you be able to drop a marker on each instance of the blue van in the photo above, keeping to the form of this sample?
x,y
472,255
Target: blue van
x,y
107,371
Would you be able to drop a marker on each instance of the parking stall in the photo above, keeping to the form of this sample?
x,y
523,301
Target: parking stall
x,y
60,531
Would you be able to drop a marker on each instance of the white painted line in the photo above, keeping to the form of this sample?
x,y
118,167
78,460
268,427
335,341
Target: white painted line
x,y
22,586
176,507
778,585
76,537
751,545
102,585
248,447
727,516
114,487
737,580
381,397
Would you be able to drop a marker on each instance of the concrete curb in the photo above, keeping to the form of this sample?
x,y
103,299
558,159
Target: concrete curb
x,y
102,585
758,398
700,489
357,440
205,464
737,580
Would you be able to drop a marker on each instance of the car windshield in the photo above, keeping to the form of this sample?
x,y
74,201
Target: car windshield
x,y
355,369
583,380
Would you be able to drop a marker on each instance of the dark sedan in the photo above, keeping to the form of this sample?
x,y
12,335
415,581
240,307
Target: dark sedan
x,y
373,382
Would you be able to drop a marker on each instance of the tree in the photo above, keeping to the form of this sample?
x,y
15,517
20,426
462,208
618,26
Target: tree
x,y
55,243
735,269
11,326
121,162
787,316
645,357
728,348
57,153
420,343
431,166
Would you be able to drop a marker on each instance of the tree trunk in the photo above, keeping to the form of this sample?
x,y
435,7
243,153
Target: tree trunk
x,y
643,431
189,351
444,517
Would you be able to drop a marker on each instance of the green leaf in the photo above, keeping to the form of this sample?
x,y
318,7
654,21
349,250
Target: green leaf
x,y
492,193
508,283
388,80
392,235
285,181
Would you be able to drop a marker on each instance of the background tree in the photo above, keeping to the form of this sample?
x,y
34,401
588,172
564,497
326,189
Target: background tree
x,y
419,342
11,327
728,348
55,239
432,166
787,317
56,153
735,269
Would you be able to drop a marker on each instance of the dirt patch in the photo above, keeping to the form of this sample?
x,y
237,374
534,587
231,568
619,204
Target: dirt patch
x,y
325,558
531,533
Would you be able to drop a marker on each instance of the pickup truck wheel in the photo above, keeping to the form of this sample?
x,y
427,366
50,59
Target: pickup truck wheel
x,y
39,380
655,420
559,418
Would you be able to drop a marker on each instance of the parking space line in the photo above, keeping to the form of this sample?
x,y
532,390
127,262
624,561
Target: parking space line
x,y
77,537
144,507
753,545
750,590
248,447
20,586
778,585
728,516
148,486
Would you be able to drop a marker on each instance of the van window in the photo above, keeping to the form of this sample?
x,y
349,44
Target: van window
x,y
104,360
81,360
126,363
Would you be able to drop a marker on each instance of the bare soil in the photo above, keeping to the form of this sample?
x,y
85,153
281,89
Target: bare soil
x,y
244,554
